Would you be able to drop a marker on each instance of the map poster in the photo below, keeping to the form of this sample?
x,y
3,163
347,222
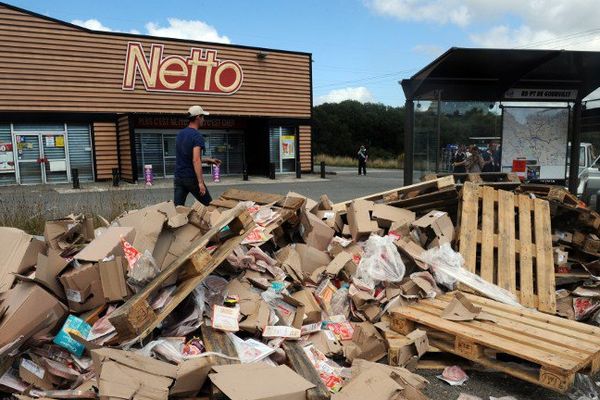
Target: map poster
x,y
288,150
537,135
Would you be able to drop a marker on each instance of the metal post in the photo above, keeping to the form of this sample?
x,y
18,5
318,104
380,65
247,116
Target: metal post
x,y
439,133
272,168
245,173
322,169
298,171
115,177
575,143
409,125
75,178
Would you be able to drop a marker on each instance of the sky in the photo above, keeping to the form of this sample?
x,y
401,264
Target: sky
x,y
361,48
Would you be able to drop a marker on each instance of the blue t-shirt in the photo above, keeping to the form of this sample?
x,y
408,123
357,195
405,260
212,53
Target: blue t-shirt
x,y
187,139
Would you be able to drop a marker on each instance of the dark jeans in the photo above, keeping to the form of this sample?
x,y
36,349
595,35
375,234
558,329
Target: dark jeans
x,y
362,166
183,186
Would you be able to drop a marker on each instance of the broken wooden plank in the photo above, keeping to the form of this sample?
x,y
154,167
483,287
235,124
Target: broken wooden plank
x,y
136,317
525,258
299,362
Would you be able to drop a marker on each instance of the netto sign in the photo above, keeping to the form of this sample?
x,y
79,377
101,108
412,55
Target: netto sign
x,y
201,72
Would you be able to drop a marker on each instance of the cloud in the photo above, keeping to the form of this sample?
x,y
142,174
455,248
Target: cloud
x,y
92,23
187,29
551,24
177,28
361,94
428,50
440,11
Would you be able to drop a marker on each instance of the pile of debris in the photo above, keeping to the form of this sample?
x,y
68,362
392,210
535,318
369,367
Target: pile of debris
x,y
318,299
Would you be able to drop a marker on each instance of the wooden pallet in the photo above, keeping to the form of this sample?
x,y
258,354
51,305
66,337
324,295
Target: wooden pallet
x,y
404,192
504,180
553,349
136,318
513,238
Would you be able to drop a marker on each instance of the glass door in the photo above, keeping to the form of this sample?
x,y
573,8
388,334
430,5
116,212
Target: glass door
x,y
30,158
169,153
55,158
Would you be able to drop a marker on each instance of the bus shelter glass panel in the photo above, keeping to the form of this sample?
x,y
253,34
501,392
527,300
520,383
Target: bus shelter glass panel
x,y
449,131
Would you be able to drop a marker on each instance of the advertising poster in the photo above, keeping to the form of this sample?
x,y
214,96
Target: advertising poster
x,y
7,161
538,137
288,148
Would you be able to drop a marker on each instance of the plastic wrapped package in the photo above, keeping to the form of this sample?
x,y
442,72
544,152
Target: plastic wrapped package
x,y
447,267
381,262
143,271
583,389
340,302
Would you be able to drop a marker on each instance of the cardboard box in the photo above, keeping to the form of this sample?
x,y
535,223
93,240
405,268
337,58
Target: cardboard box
x,y
19,251
36,375
333,219
129,375
291,263
315,232
434,228
112,278
107,244
83,287
326,342
288,308
254,310
560,257
256,382
359,219
591,244
372,384
28,310
148,224
63,233
386,215
402,350
311,307
311,258
366,344
343,260
191,375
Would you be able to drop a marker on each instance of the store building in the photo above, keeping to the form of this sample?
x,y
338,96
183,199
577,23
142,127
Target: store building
x,y
72,98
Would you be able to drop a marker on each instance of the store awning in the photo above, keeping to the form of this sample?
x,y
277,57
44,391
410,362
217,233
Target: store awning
x,y
506,74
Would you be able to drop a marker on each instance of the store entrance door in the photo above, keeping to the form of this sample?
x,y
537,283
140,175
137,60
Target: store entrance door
x,y
42,158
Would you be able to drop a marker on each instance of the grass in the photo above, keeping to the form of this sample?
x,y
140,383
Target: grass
x,y
29,209
341,161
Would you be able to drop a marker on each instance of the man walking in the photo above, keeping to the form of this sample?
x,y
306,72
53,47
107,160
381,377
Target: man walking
x,y
362,160
188,160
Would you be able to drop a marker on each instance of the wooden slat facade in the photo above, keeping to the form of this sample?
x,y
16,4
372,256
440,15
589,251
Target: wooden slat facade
x,y
305,141
52,66
125,149
105,149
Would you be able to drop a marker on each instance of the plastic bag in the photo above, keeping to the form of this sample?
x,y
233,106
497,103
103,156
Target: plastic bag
x,y
381,262
169,349
447,267
583,389
144,270
216,290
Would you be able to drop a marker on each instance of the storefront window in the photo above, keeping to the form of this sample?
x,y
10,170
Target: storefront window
x,y
159,150
282,145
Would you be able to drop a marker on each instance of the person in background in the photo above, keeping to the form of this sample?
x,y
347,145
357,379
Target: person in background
x,y
496,157
459,160
488,159
188,160
474,160
362,160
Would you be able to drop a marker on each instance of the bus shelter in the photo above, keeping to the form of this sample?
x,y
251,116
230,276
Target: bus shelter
x,y
541,79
